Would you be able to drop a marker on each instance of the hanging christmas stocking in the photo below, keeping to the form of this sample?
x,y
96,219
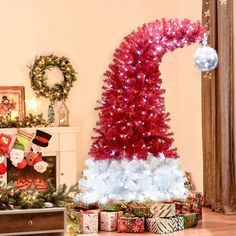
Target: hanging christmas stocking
x,y
36,160
35,148
30,157
41,138
40,141
3,168
24,137
39,164
5,141
17,155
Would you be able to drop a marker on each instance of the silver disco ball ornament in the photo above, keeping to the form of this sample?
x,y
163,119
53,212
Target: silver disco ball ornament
x,y
205,58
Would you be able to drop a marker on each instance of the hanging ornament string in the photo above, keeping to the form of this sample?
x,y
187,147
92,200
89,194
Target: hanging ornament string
x,y
205,58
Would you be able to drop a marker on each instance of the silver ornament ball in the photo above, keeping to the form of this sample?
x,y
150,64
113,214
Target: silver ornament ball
x,y
205,58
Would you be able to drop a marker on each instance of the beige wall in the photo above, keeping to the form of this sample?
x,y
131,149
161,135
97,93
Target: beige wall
x,y
88,31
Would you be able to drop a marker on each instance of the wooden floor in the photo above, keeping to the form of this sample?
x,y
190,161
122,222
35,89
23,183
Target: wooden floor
x,y
212,224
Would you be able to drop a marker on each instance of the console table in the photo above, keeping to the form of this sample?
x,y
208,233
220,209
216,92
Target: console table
x,y
48,221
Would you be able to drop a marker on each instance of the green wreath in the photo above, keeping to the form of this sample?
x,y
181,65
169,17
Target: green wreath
x,y
58,92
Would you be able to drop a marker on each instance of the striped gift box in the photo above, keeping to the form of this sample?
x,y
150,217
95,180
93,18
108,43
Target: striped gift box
x,y
163,210
140,209
160,225
113,206
178,223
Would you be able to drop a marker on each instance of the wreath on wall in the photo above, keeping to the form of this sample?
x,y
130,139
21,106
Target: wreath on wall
x,y
58,92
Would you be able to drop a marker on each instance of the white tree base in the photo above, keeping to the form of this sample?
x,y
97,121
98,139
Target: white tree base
x,y
157,179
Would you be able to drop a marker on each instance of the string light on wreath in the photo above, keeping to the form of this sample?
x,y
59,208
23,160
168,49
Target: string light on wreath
x,y
58,92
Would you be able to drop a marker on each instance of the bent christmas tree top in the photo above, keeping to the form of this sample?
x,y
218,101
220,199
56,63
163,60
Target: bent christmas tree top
x,y
132,119
133,139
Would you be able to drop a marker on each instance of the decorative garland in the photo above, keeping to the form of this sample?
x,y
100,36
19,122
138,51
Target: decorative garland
x,y
60,91
14,198
28,121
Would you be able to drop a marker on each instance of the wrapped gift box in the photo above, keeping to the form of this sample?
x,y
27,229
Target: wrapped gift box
x,y
179,207
90,222
98,212
196,200
109,220
160,225
127,224
163,210
140,209
79,205
113,206
79,222
178,222
193,204
190,220
188,184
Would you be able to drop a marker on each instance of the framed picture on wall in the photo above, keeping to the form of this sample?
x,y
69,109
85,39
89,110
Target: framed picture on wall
x,y
12,101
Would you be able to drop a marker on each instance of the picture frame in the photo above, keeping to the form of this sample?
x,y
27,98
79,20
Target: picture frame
x,y
12,102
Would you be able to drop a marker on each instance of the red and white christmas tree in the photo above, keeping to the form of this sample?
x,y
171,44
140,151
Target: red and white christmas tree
x,y
132,157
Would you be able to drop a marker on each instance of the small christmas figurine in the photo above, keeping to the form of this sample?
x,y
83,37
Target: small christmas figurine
x,y
63,115
51,114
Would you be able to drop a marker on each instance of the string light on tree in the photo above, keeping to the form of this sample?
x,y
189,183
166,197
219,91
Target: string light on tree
x,y
132,145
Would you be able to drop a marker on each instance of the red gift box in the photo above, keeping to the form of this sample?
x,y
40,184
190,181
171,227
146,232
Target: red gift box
x,y
196,198
196,201
193,204
130,224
